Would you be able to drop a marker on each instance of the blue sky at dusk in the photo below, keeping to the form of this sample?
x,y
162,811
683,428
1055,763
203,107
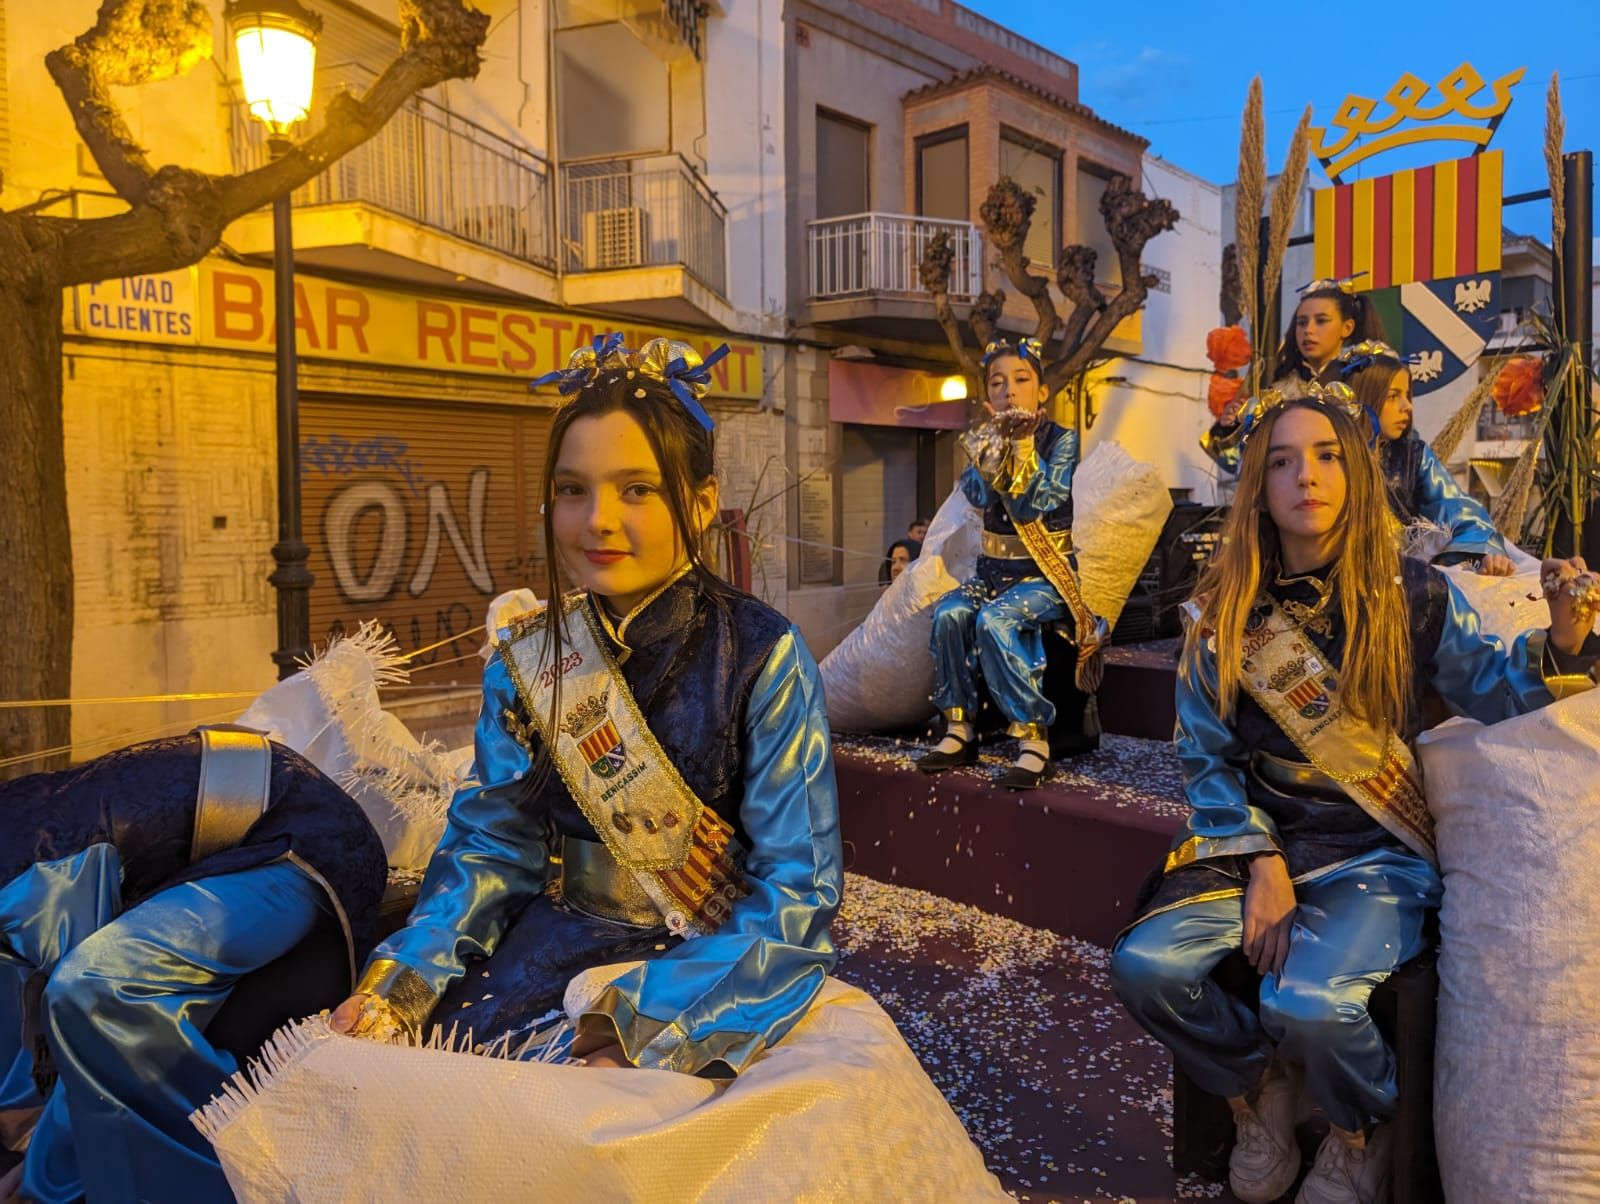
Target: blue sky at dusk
x,y
1177,72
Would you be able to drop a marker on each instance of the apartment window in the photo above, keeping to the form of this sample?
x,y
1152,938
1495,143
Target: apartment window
x,y
613,95
844,174
943,185
1036,167
1091,231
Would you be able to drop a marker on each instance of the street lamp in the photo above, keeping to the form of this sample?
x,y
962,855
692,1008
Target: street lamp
x,y
276,43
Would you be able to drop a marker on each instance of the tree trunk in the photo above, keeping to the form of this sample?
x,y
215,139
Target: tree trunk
x,y
36,592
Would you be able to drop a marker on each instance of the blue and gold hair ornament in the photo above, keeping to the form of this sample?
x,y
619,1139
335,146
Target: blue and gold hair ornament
x,y
1354,358
1330,284
1334,396
1030,350
675,364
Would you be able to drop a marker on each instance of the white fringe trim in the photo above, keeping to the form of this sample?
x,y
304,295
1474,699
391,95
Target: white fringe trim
x,y
416,780
289,1044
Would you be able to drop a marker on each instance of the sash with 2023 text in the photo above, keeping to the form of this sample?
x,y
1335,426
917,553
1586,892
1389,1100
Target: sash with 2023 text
x,y
681,852
1286,675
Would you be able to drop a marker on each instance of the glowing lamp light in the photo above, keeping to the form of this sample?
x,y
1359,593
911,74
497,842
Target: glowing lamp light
x,y
276,41
953,388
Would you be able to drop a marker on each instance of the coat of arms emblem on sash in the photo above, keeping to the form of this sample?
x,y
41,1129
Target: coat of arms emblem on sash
x,y
598,741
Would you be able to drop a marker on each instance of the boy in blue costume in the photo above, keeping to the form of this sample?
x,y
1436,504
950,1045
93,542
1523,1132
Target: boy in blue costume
x,y
989,635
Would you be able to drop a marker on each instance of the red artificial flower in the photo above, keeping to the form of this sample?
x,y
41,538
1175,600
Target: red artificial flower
x,y
1519,388
1228,347
1222,391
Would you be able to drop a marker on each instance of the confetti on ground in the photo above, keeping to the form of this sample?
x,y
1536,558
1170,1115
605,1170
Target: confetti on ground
x,y
1067,1098
1126,772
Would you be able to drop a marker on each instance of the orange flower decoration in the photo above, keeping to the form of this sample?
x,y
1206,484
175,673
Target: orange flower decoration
x,y
1519,388
1221,392
1228,347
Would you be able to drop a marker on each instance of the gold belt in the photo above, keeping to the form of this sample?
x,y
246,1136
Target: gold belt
x,y
593,882
1011,547
1293,777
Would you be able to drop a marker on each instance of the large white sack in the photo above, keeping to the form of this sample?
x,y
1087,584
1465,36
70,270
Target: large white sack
x,y
1517,1064
838,1110
1119,506
880,678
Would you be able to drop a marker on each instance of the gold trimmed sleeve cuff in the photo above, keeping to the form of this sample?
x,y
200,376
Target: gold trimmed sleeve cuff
x,y
1020,468
1564,675
1205,848
403,989
663,1045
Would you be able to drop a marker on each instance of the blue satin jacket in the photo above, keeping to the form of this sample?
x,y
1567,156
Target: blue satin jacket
x,y
733,695
1421,487
1233,813
1036,484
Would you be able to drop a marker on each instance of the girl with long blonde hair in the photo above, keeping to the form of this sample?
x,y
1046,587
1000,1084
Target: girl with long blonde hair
x,y
1309,847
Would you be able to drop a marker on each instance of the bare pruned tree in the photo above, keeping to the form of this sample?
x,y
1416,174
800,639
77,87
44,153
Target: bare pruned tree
x,y
175,216
1072,341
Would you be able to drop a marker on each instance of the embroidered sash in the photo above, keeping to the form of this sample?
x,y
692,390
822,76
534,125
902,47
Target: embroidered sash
x,y
1288,678
1092,633
681,852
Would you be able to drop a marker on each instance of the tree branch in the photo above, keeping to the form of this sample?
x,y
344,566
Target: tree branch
x,y
1007,215
132,42
181,213
934,273
1132,220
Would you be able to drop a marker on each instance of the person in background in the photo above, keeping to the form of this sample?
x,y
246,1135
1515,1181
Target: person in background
x,y
898,559
917,532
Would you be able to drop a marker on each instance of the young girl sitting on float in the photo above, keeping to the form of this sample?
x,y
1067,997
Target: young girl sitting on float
x,y
1420,488
1309,844
989,633
654,769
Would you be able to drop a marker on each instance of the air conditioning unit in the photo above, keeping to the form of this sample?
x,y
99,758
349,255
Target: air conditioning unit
x,y
614,238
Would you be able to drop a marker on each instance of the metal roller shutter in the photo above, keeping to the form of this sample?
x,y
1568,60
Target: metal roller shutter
x,y
879,465
418,515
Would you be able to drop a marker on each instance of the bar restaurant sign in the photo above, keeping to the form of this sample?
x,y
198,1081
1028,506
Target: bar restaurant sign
x,y
227,306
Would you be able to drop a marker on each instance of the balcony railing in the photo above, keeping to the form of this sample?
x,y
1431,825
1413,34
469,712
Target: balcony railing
x,y
867,253
647,212
432,166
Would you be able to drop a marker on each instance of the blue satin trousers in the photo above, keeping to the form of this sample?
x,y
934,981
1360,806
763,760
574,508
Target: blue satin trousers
x,y
1353,925
1001,640
126,1002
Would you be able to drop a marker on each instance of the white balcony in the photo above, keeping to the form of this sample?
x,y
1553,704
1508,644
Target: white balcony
x,y
864,271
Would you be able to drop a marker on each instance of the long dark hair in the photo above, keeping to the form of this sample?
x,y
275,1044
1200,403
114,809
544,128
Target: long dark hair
x,y
1353,307
685,452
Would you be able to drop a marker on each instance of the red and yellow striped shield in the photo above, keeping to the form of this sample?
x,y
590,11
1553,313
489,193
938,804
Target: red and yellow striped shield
x,y
1425,223
603,749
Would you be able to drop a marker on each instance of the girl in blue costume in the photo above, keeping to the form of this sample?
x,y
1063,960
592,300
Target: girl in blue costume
x,y
1419,486
1330,316
136,891
989,634
548,866
1309,844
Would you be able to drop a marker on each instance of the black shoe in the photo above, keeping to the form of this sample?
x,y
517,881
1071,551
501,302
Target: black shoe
x,y
1019,778
937,762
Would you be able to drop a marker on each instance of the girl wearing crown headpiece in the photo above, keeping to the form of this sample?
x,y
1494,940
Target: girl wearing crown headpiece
x,y
989,635
655,781
1330,315
1309,845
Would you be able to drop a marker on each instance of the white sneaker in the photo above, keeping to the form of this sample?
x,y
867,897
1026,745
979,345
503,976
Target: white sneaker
x,y
1345,1174
1265,1157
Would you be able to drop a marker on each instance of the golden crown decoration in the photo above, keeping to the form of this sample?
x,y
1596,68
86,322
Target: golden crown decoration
x,y
586,716
1356,133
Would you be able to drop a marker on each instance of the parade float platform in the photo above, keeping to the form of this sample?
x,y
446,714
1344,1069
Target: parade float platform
x,y
1068,856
